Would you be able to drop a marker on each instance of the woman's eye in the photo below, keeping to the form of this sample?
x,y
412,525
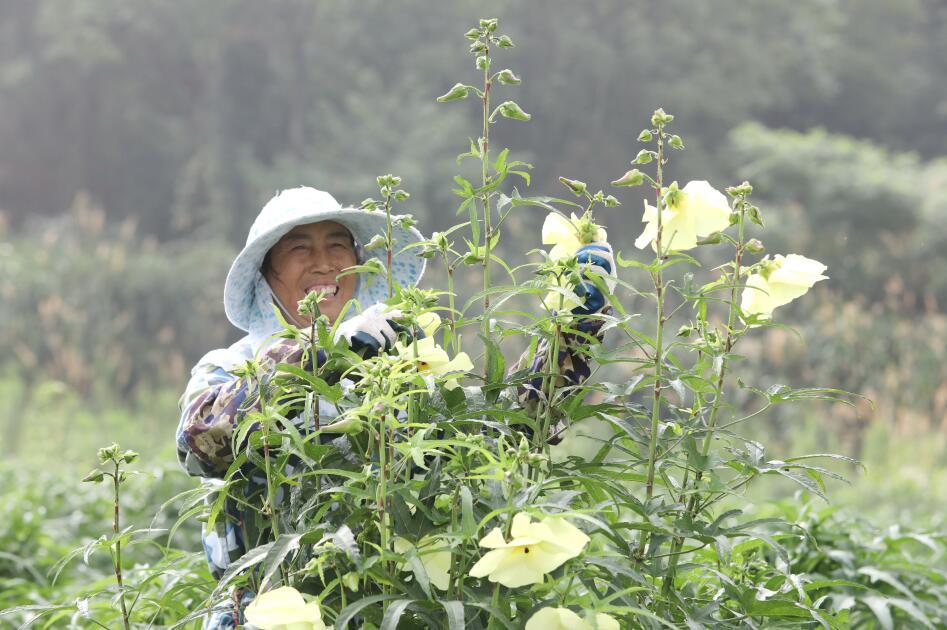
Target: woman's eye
x,y
300,248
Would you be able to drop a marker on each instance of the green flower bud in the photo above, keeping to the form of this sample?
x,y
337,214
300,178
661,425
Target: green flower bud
x,y
509,109
578,188
743,189
710,239
368,204
754,213
755,246
660,118
675,142
473,33
685,330
489,25
457,92
129,456
483,62
611,202
405,221
107,453
94,476
506,77
634,177
478,47
504,42
401,195
644,157
645,136
377,241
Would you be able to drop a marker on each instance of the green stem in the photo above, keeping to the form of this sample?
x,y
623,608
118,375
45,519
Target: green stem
x,y
659,336
388,242
485,161
116,479
693,500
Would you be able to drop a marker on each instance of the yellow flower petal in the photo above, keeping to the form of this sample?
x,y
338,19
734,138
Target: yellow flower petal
x,y
284,607
556,619
429,323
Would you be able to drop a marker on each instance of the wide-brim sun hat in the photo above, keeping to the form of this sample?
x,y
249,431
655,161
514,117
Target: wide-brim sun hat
x,y
300,206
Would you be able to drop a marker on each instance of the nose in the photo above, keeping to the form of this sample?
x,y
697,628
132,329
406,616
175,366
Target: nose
x,y
321,261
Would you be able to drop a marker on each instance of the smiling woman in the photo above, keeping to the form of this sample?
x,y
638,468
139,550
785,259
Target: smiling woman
x,y
300,242
309,258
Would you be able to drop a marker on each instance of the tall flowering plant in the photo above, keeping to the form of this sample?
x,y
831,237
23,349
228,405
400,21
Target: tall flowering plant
x,y
439,495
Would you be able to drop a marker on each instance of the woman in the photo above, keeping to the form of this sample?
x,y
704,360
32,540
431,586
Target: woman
x,y
300,242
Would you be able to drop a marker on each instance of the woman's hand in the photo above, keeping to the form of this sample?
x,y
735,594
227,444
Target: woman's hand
x,y
373,331
595,259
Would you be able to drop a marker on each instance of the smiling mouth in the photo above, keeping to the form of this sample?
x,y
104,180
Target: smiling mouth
x,y
330,290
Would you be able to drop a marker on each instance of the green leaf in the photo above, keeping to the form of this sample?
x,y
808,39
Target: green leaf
x,y
468,524
345,616
393,614
455,614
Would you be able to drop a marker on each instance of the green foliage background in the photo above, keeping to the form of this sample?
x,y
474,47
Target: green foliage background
x,y
138,140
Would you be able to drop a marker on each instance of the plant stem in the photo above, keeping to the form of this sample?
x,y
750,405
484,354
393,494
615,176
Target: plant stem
x,y
388,243
485,161
659,336
116,479
692,502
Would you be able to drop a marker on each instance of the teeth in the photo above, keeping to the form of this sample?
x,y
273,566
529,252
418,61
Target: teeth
x,y
332,288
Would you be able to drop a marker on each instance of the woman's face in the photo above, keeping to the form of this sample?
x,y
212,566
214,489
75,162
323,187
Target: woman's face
x,y
308,258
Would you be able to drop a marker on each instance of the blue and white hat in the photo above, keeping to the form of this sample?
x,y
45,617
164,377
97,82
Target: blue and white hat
x,y
244,305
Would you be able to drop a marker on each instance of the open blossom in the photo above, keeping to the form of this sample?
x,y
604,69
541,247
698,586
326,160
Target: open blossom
x,y
534,550
696,211
435,557
779,281
432,360
284,609
567,236
565,619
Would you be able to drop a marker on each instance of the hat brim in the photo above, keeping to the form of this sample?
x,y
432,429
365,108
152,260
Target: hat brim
x,y
406,267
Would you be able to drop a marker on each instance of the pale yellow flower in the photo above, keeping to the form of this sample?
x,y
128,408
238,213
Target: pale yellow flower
x,y
432,360
565,619
569,235
429,323
780,281
698,211
435,557
534,550
284,609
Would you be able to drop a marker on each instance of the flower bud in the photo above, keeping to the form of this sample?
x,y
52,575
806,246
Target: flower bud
x,y
457,92
377,241
504,42
478,47
509,109
129,456
368,204
644,157
754,213
710,239
634,177
483,62
506,77
685,330
675,142
94,476
489,25
660,118
473,33
401,195
755,246
611,202
743,189
645,136
108,452
578,188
